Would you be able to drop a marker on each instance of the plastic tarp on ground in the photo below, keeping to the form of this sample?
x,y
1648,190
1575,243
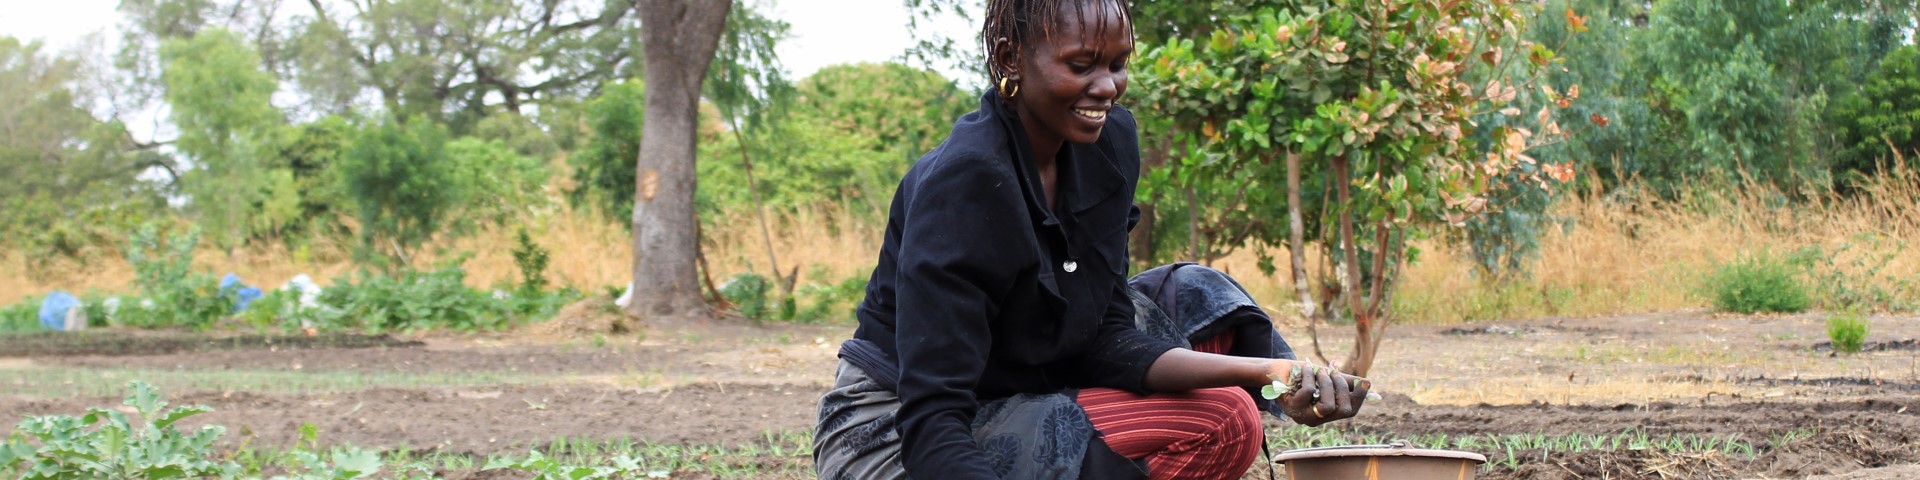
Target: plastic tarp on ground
x,y
61,311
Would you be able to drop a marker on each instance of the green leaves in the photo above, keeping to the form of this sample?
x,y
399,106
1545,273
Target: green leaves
x,y
545,468
104,444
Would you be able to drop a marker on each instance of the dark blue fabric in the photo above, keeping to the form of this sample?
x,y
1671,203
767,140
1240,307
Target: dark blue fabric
x,y
1200,303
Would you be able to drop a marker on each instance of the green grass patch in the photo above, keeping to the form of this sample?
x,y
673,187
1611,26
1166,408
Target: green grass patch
x,y
785,454
54,382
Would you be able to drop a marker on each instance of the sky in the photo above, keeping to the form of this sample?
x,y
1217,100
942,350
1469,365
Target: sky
x,y
825,32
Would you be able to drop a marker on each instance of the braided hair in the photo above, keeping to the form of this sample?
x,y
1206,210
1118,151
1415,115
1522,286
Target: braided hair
x,y
1024,22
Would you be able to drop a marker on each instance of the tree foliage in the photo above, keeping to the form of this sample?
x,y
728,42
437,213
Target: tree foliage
x,y
402,188
70,183
1367,107
221,105
1881,121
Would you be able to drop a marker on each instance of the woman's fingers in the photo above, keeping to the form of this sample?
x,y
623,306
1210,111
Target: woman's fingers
x,y
1360,389
1328,406
1343,400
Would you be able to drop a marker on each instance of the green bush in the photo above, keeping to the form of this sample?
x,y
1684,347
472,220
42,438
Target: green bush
x,y
827,302
749,293
532,260
1847,330
22,316
171,293
1757,283
411,301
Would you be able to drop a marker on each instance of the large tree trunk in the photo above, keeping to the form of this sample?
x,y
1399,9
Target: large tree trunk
x,y
679,41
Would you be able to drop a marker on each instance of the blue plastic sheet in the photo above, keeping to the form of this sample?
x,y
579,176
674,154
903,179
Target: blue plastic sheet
x,y
243,294
53,310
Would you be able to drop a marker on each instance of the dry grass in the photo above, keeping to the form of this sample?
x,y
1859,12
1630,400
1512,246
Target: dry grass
x,y
1624,255
1628,255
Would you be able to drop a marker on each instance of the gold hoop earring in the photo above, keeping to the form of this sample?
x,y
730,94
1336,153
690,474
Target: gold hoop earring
x,y
1003,88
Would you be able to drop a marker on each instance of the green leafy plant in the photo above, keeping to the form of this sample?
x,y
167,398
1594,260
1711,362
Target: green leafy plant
x,y
749,294
412,301
317,463
829,301
1847,330
104,443
1757,283
532,260
21,316
172,293
545,468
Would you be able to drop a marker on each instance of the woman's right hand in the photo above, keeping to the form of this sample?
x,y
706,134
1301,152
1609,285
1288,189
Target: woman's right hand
x,y
1320,394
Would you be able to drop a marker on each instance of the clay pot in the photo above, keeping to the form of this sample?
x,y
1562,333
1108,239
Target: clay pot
x,y
1396,461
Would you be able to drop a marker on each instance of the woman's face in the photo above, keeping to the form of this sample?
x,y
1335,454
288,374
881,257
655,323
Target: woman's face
x,y
1070,79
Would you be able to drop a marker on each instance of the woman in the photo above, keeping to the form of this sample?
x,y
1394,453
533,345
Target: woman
x,y
1000,338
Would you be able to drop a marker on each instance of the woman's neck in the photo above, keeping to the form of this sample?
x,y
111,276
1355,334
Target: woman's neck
x,y
1045,150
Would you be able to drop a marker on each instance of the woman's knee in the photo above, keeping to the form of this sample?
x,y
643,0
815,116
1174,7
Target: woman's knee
x,y
1239,417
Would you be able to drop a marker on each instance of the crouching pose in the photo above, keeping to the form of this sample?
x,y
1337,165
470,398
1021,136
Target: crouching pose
x,y
1001,337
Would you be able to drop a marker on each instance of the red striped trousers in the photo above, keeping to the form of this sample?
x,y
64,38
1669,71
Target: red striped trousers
x,y
1212,433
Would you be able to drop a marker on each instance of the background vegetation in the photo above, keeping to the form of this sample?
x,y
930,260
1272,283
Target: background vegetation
x,y
391,161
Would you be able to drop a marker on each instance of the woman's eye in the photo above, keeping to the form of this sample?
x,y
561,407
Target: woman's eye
x,y
1079,67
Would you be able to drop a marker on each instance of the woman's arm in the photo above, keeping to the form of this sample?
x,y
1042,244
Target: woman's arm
x,y
1323,394
1181,369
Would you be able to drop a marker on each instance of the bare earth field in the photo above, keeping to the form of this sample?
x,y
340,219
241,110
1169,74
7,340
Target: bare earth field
x,y
1593,383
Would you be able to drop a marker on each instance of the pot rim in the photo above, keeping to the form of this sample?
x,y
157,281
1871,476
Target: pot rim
x,y
1393,450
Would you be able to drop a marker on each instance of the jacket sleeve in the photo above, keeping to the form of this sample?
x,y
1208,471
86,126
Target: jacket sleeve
x,y
1121,353
953,273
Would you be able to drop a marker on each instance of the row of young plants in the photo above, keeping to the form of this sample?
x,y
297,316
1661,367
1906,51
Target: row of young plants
x,y
171,294
105,443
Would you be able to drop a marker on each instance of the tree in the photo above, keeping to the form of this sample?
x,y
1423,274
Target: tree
x,y
1882,119
1367,106
397,176
603,171
65,169
680,40
221,105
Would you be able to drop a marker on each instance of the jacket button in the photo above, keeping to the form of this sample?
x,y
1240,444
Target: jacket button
x,y
1070,266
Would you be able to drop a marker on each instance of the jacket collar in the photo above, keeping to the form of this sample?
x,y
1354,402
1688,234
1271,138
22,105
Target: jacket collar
x,y
1087,173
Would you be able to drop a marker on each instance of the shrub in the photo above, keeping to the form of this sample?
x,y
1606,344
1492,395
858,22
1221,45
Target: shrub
x,y
1847,330
172,294
105,444
748,292
532,260
1757,283
22,316
826,302
412,301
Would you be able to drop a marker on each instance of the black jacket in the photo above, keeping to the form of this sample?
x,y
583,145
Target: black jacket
x,y
981,292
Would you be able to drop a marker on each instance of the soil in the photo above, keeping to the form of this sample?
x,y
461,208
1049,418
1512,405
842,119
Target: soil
x,y
725,382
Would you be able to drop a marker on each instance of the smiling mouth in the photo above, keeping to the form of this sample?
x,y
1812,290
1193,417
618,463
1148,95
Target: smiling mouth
x,y
1095,115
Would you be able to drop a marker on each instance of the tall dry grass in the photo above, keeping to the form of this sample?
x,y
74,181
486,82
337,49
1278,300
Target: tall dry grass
x,y
1624,254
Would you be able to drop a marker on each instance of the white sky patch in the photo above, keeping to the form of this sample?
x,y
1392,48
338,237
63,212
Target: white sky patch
x,y
825,32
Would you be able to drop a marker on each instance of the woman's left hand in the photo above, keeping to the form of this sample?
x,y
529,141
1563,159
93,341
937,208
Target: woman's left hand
x,y
1322,394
